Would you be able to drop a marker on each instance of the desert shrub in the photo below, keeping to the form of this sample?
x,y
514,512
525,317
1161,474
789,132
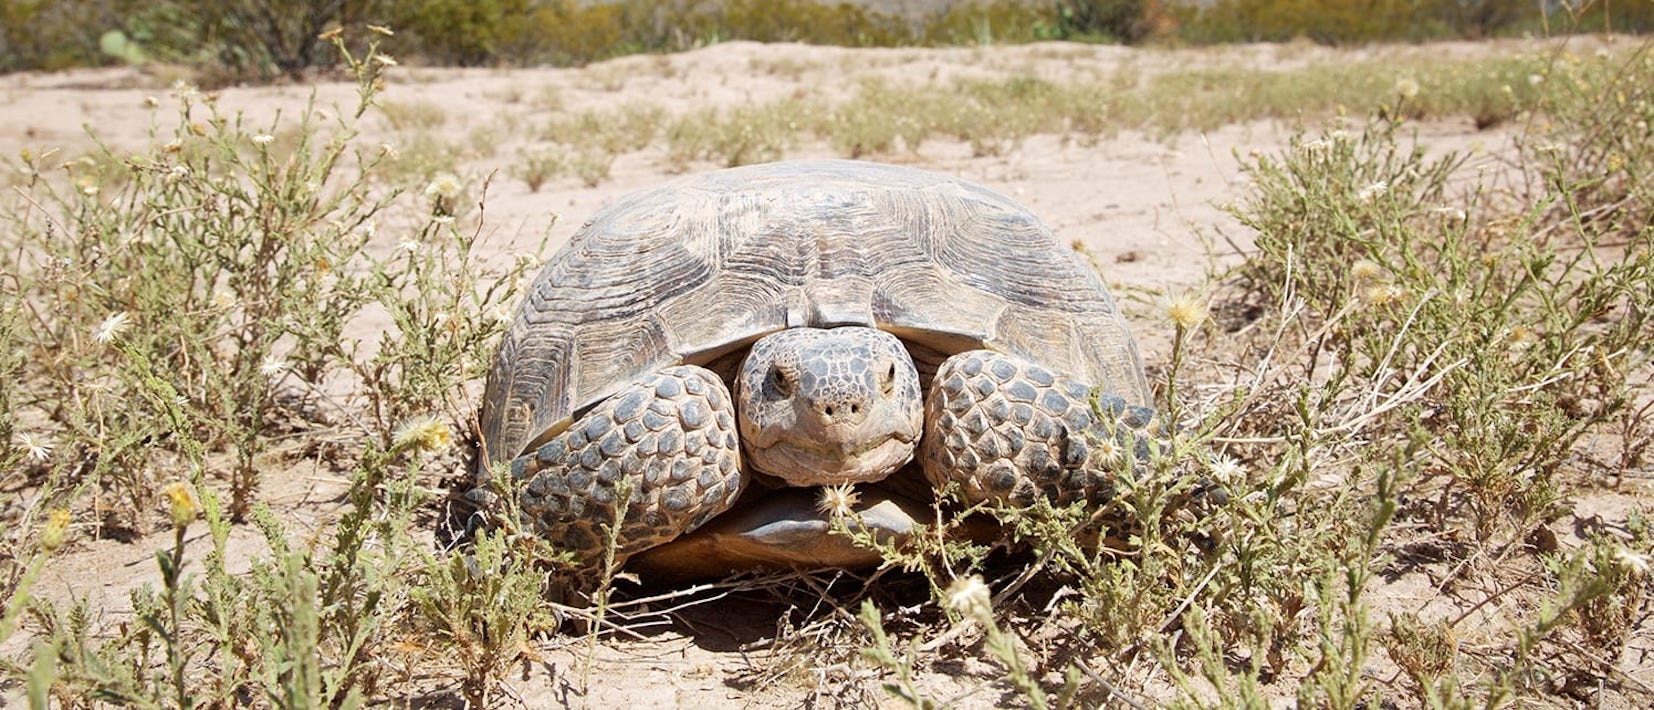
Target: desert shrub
x,y
1346,22
165,326
1411,367
41,34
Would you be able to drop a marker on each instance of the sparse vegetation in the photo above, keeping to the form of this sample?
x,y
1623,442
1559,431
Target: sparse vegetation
x,y
241,41
1415,373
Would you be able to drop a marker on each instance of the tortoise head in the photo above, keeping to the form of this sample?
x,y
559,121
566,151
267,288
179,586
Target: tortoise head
x,y
828,406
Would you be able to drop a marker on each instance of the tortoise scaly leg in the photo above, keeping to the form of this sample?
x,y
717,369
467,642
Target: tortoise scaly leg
x,y
1008,430
667,443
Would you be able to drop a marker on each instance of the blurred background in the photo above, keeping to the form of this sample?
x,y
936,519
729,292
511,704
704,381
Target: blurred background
x,y
255,40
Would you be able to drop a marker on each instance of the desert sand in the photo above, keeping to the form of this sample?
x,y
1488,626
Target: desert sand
x,y
1149,209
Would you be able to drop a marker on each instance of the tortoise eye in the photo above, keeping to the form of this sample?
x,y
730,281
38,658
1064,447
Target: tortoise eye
x,y
778,382
887,383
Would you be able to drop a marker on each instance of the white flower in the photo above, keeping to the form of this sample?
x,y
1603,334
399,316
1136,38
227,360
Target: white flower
x,y
388,150
1225,469
970,597
409,246
263,139
184,90
838,501
112,327
500,314
1374,189
443,188
1535,79
443,220
272,366
39,449
1110,453
1633,562
1407,88
1317,148
385,59
151,102
381,29
1452,213
526,261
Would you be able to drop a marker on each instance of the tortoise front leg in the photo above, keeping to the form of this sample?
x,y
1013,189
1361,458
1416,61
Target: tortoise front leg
x,y
667,443
1008,430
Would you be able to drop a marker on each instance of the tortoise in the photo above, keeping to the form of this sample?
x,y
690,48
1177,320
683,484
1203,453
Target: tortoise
x,y
703,359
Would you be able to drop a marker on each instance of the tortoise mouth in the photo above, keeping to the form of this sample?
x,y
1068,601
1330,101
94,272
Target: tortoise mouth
x,y
809,463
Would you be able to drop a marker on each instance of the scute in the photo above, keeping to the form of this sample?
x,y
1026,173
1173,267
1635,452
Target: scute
x,y
704,265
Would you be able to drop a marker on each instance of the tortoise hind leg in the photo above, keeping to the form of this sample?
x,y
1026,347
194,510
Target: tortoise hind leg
x,y
1009,430
665,448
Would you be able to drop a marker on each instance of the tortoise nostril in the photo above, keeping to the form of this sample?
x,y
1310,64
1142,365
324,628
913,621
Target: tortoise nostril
x,y
828,410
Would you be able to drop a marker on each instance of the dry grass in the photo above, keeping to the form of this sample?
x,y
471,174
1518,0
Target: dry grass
x,y
1414,376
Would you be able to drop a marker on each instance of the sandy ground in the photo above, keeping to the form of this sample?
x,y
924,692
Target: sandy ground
x,y
1150,210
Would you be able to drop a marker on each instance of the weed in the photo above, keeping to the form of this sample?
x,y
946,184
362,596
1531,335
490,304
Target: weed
x,y
413,115
538,166
166,322
592,167
745,135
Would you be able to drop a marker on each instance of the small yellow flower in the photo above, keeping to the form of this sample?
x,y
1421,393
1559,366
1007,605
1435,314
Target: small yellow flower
x,y
1366,270
838,501
424,433
183,504
1383,294
970,597
1185,310
57,527
112,327
381,29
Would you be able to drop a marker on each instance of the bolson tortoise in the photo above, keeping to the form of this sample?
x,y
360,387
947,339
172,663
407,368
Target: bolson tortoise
x,y
711,353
